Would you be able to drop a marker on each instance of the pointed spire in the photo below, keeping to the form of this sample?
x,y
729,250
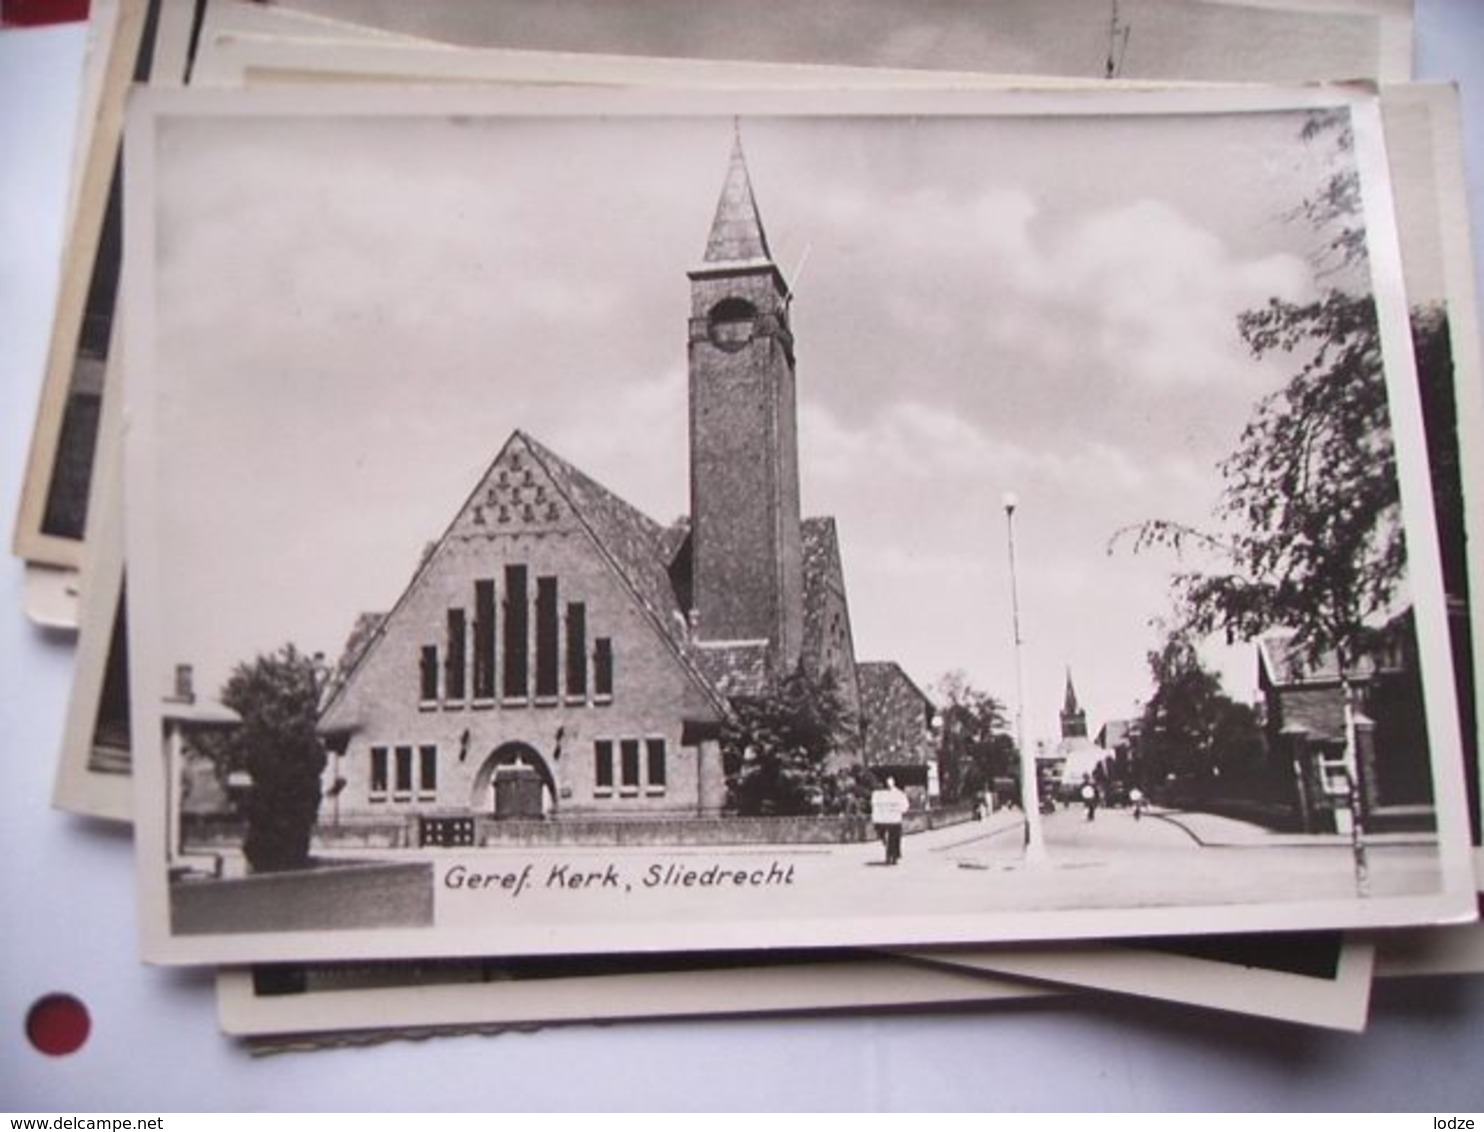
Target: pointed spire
x,y
737,234
1073,718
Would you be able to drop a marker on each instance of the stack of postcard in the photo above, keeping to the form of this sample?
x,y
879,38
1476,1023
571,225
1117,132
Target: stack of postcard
x,y
627,514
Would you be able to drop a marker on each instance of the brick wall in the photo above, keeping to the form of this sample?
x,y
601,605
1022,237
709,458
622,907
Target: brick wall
x,y
652,694
748,560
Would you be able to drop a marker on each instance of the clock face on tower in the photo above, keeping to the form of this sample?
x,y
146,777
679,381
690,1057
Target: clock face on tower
x,y
731,323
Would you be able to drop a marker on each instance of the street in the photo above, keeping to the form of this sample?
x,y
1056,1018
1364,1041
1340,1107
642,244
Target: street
x,y
1174,858
954,875
1115,862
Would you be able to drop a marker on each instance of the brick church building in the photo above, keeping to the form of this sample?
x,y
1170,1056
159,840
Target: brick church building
x,y
559,654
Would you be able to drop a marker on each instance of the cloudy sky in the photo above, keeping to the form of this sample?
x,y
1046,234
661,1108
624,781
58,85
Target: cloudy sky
x,y
353,315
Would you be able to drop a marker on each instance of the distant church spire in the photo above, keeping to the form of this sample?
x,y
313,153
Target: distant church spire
x,y
1073,718
737,234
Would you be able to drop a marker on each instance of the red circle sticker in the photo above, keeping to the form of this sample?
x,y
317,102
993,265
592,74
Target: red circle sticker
x,y
58,1024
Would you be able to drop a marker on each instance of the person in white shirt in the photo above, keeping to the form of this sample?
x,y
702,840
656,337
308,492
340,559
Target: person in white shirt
x,y
888,807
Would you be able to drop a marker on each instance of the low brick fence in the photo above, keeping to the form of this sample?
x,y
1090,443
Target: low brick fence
x,y
379,895
404,832
674,831
919,821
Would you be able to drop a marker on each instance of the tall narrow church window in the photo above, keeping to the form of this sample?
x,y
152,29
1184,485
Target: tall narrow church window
x,y
603,765
576,649
427,771
428,674
378,774
655,778
402,784
603,668
547,628
629,764
453,663
517,629
484,639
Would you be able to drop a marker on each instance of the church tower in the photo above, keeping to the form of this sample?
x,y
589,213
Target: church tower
x,y
1073,718
744,465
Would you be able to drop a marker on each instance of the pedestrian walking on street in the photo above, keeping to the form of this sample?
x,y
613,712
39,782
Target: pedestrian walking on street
x,y
1136,799
888,807
1090,798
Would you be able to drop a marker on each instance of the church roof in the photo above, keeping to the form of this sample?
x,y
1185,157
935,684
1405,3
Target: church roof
x,y
821,552
735,668
362,633
881,678
673,537
636,544
737,234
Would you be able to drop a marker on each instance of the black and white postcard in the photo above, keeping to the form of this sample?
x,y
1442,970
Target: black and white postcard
x,y
292,1004
547,516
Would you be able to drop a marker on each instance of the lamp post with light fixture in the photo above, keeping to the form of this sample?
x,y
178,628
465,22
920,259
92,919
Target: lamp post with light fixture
x,y
1030,794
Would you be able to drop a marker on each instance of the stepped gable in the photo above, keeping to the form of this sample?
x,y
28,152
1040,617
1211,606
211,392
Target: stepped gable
x,y
638,546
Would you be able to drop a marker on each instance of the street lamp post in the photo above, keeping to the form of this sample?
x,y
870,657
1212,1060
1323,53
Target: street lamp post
x,y
1030,793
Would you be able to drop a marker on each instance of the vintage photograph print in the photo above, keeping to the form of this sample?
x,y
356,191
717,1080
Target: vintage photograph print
x,y
1170,40
560,525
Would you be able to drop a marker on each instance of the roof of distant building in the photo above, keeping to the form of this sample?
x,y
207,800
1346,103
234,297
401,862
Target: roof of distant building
x,y
895,714
1282,660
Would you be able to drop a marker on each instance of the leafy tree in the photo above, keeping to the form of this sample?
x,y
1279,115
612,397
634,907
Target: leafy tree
x,y
1311,535
777,749
277,697
1308,533
1191,728
975,746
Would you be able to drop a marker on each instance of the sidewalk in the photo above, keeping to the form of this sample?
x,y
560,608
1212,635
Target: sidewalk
x,y
1000,825
1214,831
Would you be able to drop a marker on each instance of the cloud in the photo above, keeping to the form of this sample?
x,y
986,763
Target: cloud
x,y
1137,290
1163,292
645,466
929,444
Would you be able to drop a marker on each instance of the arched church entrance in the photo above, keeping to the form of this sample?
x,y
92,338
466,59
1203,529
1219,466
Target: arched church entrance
x,y
514,782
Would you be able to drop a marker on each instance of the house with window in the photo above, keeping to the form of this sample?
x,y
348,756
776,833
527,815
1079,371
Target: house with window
x,y
558,654
1304,698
